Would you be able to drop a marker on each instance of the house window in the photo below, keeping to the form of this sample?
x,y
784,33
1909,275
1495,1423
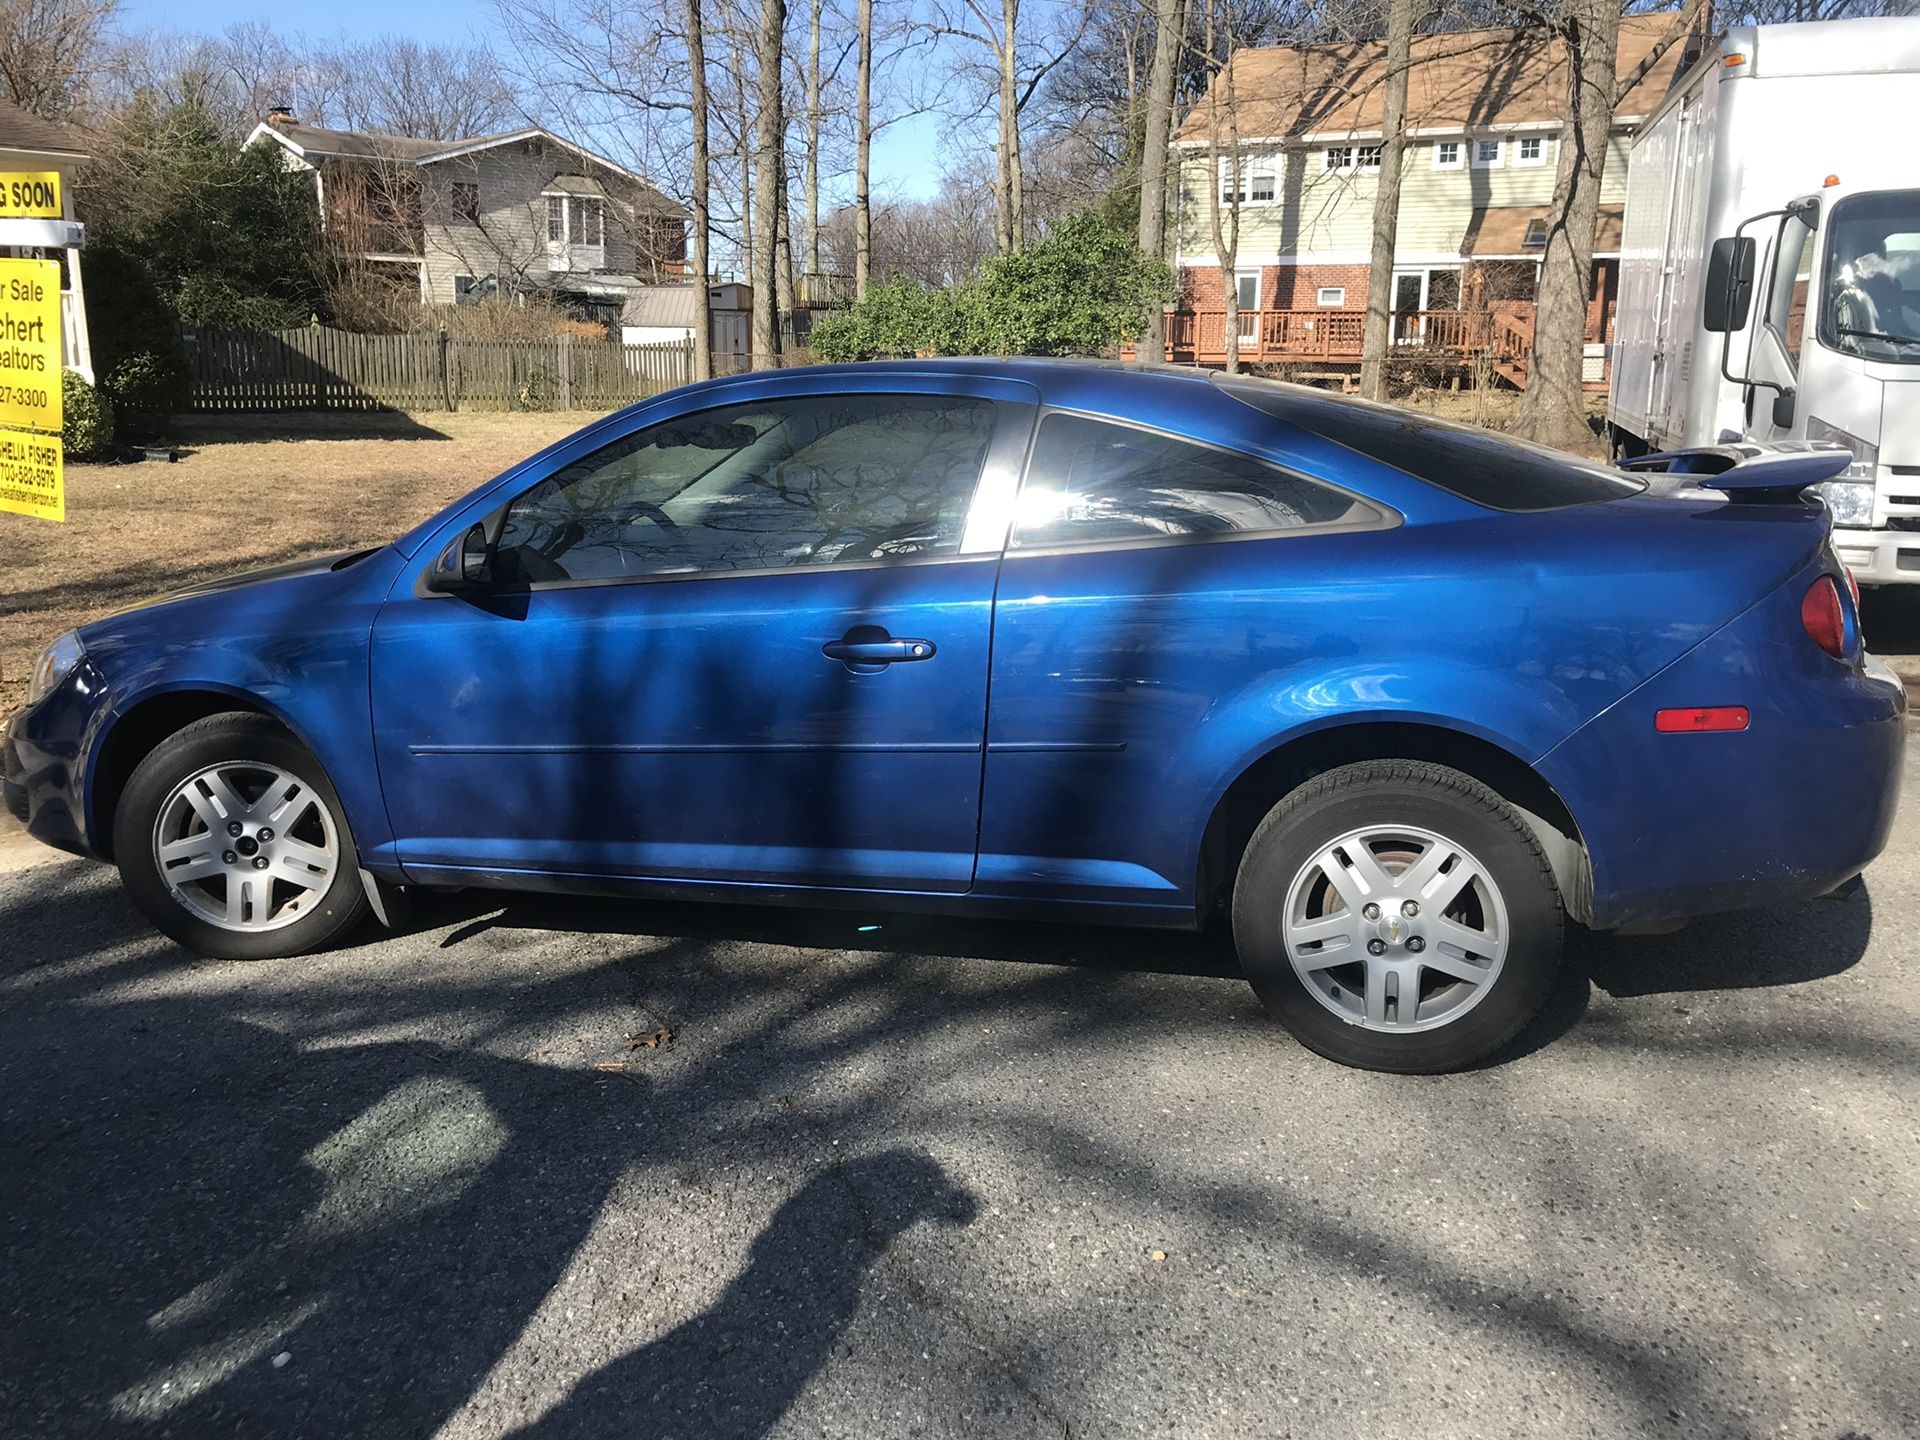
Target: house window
x,y
1331,297
1531,150
576,221
1249,181
1486,154
1536,236
1446,155
1369,157
588,219
1339,157
465,196
463,290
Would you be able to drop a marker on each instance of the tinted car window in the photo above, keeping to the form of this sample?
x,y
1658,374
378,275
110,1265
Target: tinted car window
x,y
1497,471
1091,481
814,480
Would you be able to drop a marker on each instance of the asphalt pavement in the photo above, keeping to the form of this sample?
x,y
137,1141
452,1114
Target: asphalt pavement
x,y
571,1168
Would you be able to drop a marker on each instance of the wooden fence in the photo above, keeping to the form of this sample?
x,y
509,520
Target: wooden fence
x,y
321,369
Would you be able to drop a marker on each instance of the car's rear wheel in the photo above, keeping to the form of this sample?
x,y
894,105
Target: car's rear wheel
x,y
231,839
1398,915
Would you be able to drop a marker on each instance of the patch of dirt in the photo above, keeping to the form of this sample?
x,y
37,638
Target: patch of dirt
x,y
248,491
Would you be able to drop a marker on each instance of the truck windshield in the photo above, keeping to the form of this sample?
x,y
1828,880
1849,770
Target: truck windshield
x,y
1872,277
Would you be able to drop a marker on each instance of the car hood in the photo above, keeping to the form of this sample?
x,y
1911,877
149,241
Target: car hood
x,y
314,566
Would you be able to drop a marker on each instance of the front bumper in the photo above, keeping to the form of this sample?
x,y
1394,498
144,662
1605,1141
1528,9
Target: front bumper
x,y
1790,808
1880,557
44,761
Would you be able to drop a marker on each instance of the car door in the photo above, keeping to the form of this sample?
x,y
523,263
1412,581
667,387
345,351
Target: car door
x,y
1149,580
743,644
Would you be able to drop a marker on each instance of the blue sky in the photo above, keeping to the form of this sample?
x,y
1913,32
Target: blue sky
x,y
905,155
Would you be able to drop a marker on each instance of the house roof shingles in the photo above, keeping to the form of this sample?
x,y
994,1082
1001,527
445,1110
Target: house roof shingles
x,y
23,130
1462,80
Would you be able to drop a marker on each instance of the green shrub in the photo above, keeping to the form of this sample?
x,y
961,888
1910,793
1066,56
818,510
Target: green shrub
x,y
1084,289
87,430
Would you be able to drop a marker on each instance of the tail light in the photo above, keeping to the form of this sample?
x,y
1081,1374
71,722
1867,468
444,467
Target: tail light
x,y
1820,612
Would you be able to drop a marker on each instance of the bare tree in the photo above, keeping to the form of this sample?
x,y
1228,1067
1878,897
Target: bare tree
x,y
1169,21
1386,202
397,86
769,161
50,50
1227,171
863,153
814,119
1553,409
702,217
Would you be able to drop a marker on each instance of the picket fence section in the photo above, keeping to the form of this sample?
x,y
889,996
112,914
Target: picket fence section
x,y
320,369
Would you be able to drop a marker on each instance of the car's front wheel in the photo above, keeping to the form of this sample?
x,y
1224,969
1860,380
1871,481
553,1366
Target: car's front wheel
x,y
1397,915
230,838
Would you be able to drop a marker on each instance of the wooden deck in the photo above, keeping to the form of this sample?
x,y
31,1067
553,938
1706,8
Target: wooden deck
x,y
1501,339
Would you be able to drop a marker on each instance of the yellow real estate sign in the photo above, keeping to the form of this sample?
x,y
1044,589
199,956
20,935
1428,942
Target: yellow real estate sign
x,y
31,196
31,477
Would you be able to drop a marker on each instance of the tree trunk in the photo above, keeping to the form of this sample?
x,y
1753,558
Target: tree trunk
x,y
1553,410
745,154
1007,150
702,209
863,155
813,140
1223,141
783,274
770,163
1386,203
1169,26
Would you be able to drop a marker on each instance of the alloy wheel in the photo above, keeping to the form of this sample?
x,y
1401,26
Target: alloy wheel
x,y
246,846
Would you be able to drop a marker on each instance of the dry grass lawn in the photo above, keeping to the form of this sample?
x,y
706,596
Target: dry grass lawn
x,y
248,491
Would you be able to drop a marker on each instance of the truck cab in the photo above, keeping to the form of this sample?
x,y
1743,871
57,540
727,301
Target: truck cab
x,y
1830,351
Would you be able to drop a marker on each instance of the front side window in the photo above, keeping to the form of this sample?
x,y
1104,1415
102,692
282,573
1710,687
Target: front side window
x,y
1871,278
1787,283
1094,482
1532,150
1446,155
1486,154
813,480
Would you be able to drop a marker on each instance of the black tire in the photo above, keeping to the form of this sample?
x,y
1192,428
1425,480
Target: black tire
x,y
1446,803
217,740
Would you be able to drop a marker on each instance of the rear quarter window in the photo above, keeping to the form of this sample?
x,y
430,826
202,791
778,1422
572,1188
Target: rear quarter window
x,y
1497,471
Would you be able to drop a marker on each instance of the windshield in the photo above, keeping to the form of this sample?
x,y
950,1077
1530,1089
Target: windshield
x,y
1872,278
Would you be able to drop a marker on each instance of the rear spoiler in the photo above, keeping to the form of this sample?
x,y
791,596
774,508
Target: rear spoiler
x,y
1760,471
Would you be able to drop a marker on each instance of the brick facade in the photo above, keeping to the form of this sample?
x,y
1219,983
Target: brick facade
x,y
1282,287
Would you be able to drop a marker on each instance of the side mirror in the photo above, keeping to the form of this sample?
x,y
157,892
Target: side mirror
x,y
1783,410
466,564
1729,292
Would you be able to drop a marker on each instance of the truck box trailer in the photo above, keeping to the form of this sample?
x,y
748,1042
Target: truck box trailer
x,y
1770,268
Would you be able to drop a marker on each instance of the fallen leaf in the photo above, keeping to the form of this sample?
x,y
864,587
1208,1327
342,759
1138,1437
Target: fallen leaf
x,y
653,1039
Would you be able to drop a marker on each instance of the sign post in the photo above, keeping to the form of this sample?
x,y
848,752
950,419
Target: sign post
x,y
32,478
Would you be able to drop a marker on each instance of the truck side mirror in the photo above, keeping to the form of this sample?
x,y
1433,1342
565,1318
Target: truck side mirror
x,y
1729,291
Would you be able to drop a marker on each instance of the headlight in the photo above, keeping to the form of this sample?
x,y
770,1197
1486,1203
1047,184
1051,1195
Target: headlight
x,y
1866,454
56,662
1851,501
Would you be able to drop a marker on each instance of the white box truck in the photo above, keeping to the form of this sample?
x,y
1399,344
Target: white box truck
x,y
1770,268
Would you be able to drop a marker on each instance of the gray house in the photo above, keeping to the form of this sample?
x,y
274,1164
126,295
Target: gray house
x,y
493,215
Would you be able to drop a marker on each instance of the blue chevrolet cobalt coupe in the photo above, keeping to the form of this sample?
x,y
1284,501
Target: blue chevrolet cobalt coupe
x,y
1057,639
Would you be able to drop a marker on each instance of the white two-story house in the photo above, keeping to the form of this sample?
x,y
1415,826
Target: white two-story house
x,y
490,216
1295,158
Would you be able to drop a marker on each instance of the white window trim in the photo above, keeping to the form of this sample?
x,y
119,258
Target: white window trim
x,y
1320,297
1459,155
1519,159
1365,166
1250,165
1327,167
1499,152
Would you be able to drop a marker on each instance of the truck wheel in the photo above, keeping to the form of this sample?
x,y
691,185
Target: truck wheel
x,y
1397,915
